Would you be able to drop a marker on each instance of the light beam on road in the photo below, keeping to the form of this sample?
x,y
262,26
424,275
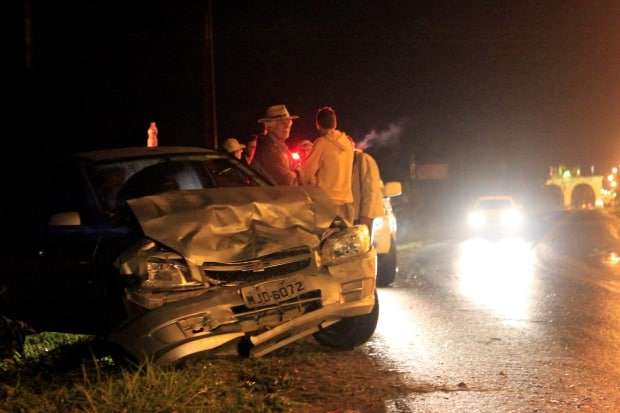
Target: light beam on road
x,y
400,334
498,275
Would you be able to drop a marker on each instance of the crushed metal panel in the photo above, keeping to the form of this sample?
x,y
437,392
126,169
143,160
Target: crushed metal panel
x,y
234,224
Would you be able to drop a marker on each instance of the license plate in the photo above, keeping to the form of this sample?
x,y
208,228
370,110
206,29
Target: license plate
x,y
272,292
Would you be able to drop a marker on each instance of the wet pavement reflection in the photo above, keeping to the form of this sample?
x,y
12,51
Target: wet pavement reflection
x,y
497,274
508,324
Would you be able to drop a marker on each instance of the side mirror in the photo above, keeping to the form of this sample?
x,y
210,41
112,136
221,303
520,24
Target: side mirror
x,y
392,189
65,219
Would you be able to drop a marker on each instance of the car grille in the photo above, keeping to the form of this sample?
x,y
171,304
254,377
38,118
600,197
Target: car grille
x,y
272,265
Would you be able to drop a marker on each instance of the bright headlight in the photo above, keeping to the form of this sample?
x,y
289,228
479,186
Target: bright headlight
x,y
377,224
512,218
393,225
476,219
167,274
345,244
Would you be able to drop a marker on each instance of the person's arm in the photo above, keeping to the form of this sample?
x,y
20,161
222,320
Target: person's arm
x,y
310,167
270,162
280,167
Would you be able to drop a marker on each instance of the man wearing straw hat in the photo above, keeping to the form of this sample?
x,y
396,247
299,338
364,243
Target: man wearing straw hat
x,y
272,157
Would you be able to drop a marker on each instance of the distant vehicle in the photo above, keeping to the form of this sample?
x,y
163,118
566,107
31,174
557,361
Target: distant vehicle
x,y
495,214
384,237
174,251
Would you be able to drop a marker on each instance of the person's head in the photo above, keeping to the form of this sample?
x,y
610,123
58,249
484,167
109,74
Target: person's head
x,y
277,121
233,147
326,119
305,147
250,148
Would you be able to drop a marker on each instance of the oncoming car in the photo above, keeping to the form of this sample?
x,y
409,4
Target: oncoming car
x,y
495,214
171,252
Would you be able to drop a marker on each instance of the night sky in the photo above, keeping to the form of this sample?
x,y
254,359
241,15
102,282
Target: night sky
x,y
490,87
495,89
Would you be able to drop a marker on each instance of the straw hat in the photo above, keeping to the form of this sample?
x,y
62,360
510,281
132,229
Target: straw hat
x,y
232,145
276,112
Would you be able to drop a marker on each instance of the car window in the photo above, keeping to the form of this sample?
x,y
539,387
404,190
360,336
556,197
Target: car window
x,y
494,203
64,189
225,173
115,182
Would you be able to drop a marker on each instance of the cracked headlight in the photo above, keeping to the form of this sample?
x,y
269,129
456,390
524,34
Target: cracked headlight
x,y
168,274
345,244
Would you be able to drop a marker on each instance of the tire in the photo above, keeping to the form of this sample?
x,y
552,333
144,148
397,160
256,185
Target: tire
x,y
387,267
350,332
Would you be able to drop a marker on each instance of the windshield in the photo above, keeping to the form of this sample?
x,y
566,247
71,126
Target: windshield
x,y
494,203
118,181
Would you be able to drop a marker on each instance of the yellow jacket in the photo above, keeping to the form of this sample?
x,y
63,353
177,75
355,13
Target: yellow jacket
x,y
330,165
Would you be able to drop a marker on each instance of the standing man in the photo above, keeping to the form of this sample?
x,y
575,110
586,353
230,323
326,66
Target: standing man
x,y
330,163
367,190
272,157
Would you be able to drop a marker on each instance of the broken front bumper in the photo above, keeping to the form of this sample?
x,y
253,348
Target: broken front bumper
x,y
220,321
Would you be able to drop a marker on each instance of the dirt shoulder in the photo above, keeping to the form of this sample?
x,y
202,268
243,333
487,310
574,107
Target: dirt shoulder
x,y
303,377
321,381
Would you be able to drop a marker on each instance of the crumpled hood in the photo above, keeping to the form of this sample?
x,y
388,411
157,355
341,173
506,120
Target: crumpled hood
x,y
234,224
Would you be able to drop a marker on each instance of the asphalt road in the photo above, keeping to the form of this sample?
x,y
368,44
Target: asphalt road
x,y
523,324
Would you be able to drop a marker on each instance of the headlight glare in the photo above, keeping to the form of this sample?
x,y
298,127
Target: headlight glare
x,y
377,224
476,219
345,244
512,218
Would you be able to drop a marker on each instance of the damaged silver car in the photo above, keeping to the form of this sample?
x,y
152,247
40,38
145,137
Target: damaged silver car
x,y
173,252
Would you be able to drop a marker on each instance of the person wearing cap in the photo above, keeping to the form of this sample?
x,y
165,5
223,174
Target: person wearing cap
x,y
233,147
272,158
330,163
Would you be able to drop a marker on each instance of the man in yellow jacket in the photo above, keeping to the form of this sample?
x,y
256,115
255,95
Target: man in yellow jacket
x,y
330,163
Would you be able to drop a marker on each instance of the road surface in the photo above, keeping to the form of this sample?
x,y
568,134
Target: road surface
x,y
523,324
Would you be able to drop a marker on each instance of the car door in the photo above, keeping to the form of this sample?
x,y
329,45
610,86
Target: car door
x,y
20,241
67,290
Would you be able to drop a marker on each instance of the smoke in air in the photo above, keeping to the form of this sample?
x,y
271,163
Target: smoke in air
x,y
382,137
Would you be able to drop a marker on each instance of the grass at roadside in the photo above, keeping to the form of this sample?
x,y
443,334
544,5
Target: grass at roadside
x,y
72,373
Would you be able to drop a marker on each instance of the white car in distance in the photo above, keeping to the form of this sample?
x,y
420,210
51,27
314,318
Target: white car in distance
x,y
495,214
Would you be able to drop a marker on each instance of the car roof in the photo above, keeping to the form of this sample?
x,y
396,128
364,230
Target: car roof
x,y
141,152
495,198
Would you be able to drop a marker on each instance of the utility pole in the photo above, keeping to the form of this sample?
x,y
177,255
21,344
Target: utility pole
x,y
28,34
210,106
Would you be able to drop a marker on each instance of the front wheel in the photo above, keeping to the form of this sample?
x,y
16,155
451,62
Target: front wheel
x,y
350,332
387,266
